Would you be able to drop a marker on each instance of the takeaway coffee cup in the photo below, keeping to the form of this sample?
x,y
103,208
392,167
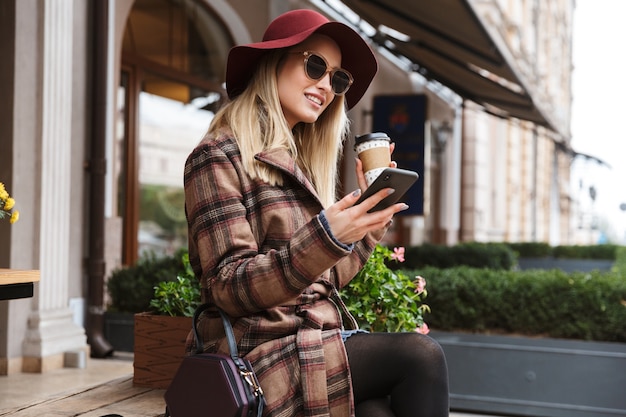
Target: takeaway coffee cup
x,y
373,151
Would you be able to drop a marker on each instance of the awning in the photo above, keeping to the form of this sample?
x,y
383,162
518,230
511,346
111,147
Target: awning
x,y
446,41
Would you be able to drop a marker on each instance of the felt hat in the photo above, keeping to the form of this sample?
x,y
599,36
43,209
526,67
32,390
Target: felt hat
x,y
290,29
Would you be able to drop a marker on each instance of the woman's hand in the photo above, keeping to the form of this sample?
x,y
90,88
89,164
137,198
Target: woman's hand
x,y
350,223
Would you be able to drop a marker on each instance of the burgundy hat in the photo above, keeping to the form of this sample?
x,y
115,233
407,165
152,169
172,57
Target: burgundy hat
x,y
290,29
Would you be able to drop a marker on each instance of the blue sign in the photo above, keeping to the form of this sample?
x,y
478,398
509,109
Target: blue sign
x,y
403,118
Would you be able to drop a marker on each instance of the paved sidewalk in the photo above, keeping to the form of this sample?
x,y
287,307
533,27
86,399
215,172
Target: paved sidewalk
x,y
103,387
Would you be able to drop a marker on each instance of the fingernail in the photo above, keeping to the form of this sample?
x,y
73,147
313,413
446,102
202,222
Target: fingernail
x,y
356,192
404,207
391,191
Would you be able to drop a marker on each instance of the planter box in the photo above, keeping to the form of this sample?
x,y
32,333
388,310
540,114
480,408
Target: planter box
x,y
159,348
539,377
119,330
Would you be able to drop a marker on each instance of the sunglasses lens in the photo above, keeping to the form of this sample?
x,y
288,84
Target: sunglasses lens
x,y
315,67
340,82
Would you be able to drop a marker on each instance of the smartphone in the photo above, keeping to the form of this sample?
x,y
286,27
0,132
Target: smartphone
x,y
396,178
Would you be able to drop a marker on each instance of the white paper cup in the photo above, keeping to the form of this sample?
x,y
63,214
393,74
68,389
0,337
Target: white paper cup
x,y
373,151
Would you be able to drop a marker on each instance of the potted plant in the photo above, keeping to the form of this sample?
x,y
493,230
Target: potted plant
x,y
384,300
131,290
160,333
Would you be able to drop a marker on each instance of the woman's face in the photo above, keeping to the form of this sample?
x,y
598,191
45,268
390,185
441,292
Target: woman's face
x,y
303,99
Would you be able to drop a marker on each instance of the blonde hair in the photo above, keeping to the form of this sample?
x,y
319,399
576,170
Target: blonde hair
x,y
256,120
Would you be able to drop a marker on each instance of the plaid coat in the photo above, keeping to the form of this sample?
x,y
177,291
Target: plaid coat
x,y
262,255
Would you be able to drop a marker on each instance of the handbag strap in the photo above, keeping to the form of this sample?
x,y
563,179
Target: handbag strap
x,y
247,374
228,328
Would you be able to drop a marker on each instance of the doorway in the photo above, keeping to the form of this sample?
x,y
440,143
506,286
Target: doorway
x,y
173,57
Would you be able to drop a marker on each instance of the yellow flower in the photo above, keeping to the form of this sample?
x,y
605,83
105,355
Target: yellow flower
x,y
9,203
6,205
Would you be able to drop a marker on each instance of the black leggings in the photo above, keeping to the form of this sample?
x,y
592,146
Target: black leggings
x,y
398,375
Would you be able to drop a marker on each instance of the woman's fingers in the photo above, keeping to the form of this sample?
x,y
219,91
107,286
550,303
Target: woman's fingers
x,y
392,147
360,175
349,222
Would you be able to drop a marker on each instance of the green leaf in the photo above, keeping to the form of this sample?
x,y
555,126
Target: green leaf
x,y
382,299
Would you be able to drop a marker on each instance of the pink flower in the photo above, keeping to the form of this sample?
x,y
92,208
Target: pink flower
x,y
398,254
420,284
423,329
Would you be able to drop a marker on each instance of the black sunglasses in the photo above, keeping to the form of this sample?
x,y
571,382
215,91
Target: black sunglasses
x,y
316,67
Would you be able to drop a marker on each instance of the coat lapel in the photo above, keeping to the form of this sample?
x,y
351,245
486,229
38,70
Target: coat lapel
x,y
282,160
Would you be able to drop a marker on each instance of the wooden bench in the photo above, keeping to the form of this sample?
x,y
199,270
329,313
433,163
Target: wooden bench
x,y
16,283
114,398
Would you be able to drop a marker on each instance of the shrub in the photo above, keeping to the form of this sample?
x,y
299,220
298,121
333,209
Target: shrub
x,y
531,249
474,254
606,251
620,262
131,288
484,255
544,250
587,306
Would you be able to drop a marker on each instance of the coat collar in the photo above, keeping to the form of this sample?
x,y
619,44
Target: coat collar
x,y
282,160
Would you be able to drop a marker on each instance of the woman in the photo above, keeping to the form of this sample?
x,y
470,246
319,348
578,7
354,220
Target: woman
x,y
272,246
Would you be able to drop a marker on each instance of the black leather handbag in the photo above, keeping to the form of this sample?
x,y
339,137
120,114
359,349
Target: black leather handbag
x,y
214,385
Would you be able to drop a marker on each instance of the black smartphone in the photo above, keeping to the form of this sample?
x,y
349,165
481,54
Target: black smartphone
x,y
396,178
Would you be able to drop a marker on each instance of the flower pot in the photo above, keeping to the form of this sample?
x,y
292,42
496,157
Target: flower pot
x,y
159,348
119,330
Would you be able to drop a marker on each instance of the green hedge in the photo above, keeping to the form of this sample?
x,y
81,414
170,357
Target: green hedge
x,y
587,306
132,288
479,255
543,250
531,249
606,251
620,261
500,256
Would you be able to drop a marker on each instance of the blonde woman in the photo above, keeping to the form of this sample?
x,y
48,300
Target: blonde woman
x,y
271,245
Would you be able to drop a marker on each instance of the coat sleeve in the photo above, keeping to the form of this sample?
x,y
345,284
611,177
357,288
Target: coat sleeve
x,y
348,267
224,250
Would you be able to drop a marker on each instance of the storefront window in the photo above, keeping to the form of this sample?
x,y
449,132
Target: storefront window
x,y
173,55
168,131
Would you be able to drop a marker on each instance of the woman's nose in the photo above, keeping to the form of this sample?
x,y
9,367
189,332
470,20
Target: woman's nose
x,y
325,82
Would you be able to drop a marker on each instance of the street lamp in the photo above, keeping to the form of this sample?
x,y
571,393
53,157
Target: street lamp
x,y
443,133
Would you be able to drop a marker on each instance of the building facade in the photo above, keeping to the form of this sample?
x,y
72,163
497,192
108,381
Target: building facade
x,y
104,99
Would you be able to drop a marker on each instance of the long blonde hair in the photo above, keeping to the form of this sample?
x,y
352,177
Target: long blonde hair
x,y
256,119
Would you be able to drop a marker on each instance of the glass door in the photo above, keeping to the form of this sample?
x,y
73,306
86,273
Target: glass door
x,y
173,59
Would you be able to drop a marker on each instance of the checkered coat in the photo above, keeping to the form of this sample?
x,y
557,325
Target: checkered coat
x,y
264,257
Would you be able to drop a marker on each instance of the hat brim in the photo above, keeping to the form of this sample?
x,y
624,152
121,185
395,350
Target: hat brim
x,y
356,57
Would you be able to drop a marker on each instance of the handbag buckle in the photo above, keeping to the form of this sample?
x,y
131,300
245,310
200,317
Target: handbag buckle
x,y
248,376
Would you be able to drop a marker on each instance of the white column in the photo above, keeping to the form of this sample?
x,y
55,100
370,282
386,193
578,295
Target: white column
x,y
451,216
51,328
